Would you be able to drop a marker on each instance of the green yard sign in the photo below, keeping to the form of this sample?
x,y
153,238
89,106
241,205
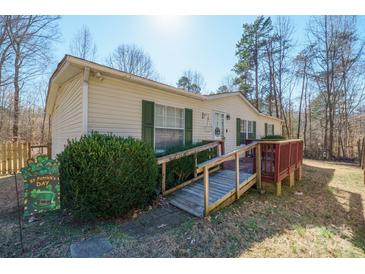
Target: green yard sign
x,y
41,185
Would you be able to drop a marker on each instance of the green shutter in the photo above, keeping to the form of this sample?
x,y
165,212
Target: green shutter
x,y
273,129
148,118
188,126
254,129
265,129
243,138
238,131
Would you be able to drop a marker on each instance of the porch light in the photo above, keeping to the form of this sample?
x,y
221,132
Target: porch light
x,y
228,117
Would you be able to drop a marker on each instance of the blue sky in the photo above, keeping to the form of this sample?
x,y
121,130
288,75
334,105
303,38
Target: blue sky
x,y
175,43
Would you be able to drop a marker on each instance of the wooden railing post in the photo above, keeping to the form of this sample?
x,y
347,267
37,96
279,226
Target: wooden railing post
x,y
163,183
237,158
277,170
258,167
277,162
206,191
195,164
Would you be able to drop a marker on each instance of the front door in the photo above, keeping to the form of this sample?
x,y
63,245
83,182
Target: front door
x,y
218,126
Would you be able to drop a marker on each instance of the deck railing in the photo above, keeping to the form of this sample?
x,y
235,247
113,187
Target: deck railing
x,y
193,151
273,161
280,158
241,187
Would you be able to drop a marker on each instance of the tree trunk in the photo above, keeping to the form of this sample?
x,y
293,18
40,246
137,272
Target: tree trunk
x,y
305,120
301,96
16,98
257,74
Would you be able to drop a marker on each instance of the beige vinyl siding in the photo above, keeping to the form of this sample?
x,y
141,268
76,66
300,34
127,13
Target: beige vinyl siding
x,y
66,120
236,107
115,106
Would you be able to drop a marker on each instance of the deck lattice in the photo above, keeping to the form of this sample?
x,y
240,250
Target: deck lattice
x,y
191,197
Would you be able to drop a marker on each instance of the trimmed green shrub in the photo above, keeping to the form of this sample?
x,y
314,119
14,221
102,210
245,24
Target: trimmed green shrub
x,y
273,137
181,170
106,176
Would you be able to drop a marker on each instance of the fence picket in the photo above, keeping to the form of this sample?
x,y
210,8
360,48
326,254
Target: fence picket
x,y
14,153
20,156
24,153
3,159
8,158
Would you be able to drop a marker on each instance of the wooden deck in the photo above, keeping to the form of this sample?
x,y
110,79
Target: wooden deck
x,y
212,188
222,185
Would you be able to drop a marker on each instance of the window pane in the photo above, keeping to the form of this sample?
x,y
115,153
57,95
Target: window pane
x,y
166,138
170,117
159,119
179,118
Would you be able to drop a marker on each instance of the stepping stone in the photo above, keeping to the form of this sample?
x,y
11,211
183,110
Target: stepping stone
x,y
91,248
155,221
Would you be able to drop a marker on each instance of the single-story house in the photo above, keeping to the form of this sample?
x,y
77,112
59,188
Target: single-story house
x,y
84,96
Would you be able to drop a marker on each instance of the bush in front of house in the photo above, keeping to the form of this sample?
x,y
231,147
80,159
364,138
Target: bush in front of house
x,y
181,170
273,137
106,176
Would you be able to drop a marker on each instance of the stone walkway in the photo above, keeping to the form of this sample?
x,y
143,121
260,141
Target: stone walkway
x,y
155,221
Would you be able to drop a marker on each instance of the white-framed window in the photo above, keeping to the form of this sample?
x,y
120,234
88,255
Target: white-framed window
x,y
246,130
169,127
270,129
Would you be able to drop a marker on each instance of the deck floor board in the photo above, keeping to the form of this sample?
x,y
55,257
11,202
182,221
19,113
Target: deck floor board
x,y
191,198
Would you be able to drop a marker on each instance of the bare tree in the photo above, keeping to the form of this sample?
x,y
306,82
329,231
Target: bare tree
x,y
132,59
191,81
227,85
5,77
30,38
82,44
337,75
303,66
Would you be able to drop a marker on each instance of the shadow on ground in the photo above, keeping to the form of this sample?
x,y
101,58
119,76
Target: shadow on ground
x,y
321,216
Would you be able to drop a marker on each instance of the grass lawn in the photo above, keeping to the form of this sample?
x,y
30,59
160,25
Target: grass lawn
x,y
321,216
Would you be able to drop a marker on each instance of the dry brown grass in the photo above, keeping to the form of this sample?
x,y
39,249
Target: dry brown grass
x,y
327,220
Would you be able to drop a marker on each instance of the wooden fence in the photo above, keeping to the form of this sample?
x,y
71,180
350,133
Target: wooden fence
x,y
14,156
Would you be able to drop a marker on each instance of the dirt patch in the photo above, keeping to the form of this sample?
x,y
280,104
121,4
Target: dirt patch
x,y
8,201
321,216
